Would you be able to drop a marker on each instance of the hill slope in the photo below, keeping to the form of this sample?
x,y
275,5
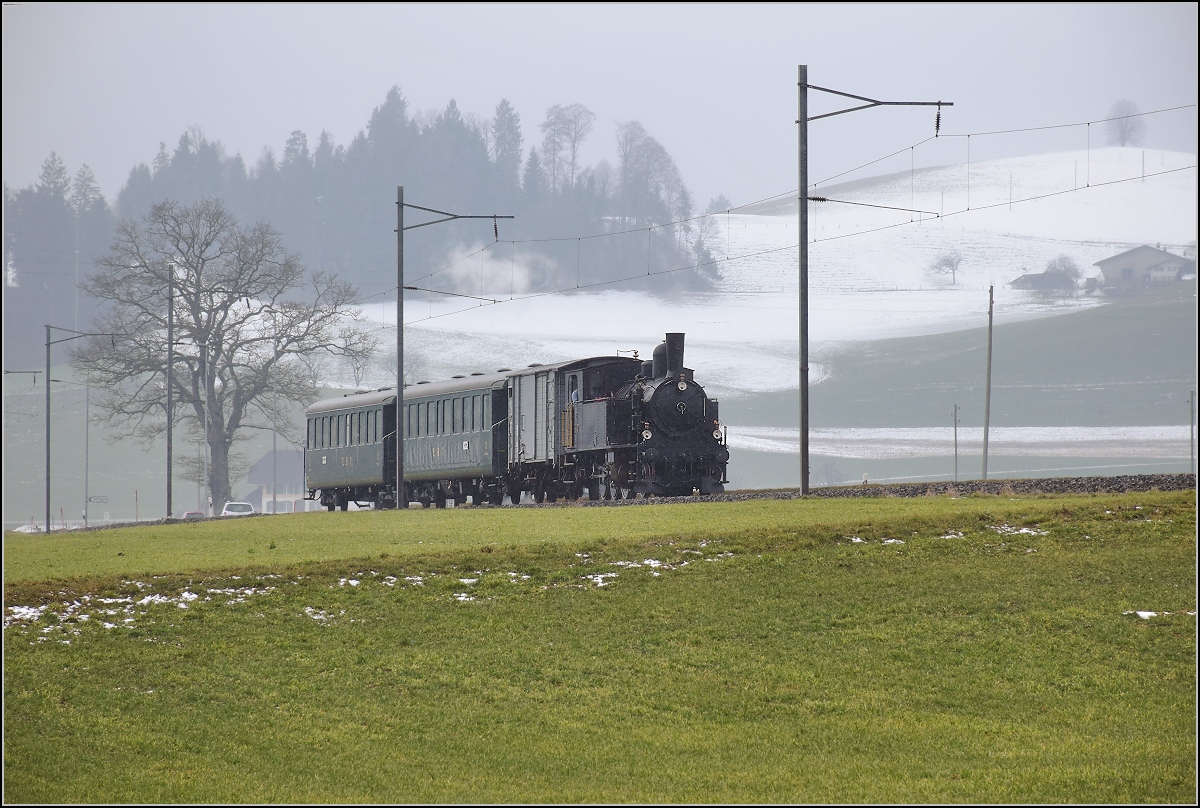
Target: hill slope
x,y
868,277
1128,363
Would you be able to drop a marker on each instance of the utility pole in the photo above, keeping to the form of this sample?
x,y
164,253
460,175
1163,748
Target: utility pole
x,y
1192,432
802,120
48,327
274,442
987,394
204,442
401,498
955,443
170,361
49,342
87,418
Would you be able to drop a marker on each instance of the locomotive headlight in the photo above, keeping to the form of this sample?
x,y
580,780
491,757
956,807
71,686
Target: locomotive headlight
x,y
717,434
682,386
647,434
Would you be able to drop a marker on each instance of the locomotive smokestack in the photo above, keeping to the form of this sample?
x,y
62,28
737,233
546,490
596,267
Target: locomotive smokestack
x,y
674,354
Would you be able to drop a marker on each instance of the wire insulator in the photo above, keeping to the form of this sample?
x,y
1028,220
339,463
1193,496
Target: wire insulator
x,y
495,228
937,122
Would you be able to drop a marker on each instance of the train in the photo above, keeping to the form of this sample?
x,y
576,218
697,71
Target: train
x,y
602,427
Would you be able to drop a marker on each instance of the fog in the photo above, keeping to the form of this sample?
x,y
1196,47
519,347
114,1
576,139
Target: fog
x,y
104,84
713,85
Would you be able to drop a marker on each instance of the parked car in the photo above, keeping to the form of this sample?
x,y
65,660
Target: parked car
x,y
237,509
192,515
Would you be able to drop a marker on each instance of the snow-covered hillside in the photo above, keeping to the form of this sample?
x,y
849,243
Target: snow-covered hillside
x,y
868,277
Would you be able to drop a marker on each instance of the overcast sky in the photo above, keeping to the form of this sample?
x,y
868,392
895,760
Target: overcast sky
x,y
103,84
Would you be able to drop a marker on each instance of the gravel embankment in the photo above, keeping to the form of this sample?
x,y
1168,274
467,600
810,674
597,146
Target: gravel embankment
x,y
1047,485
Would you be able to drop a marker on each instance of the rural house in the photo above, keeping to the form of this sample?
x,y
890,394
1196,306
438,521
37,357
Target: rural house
x,y
1137,269
1044,282
286,468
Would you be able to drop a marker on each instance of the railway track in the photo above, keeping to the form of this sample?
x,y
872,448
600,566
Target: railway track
x,y
1023,487
1045,485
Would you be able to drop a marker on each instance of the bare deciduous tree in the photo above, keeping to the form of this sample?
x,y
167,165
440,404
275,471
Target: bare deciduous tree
x,y
415,367
1065,265
565,129
948,263
553,142
579,123
358,349
246,314
644,173
1125,128
604,176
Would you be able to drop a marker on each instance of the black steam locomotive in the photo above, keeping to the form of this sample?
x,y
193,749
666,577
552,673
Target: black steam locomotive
x,y
606,426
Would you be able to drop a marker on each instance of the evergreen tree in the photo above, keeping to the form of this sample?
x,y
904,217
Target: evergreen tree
x,y
85,193
236,183
94,224
295,152
718,204
389,127
162,160
137,195
507,143
534,180
40,262
455,153
327,179
53,183
336,204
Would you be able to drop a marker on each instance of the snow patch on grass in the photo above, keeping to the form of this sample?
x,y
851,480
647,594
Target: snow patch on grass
x,y
1009,530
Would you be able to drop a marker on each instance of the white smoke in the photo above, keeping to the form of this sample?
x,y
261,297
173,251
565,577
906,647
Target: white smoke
x,y
494,270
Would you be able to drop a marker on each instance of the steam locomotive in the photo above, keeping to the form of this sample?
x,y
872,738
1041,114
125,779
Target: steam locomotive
x,y
607,427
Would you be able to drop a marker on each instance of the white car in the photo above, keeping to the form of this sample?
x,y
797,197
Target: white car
x,y
237,509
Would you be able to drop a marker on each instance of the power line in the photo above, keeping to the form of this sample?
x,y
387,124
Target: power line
x,y
717,261
1068,125
873,162
730,259
751,255
648,228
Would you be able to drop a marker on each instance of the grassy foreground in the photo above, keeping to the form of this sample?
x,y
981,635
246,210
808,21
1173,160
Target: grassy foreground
x,y
984,649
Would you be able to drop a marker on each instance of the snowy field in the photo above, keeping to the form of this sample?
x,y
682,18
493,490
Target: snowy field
x,y
868,280
1133,441
863,285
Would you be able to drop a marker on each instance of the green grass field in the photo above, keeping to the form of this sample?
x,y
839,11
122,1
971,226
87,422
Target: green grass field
x,y
982,649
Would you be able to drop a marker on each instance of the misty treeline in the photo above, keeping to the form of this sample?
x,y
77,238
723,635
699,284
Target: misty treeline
x,y
335,205
53,233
